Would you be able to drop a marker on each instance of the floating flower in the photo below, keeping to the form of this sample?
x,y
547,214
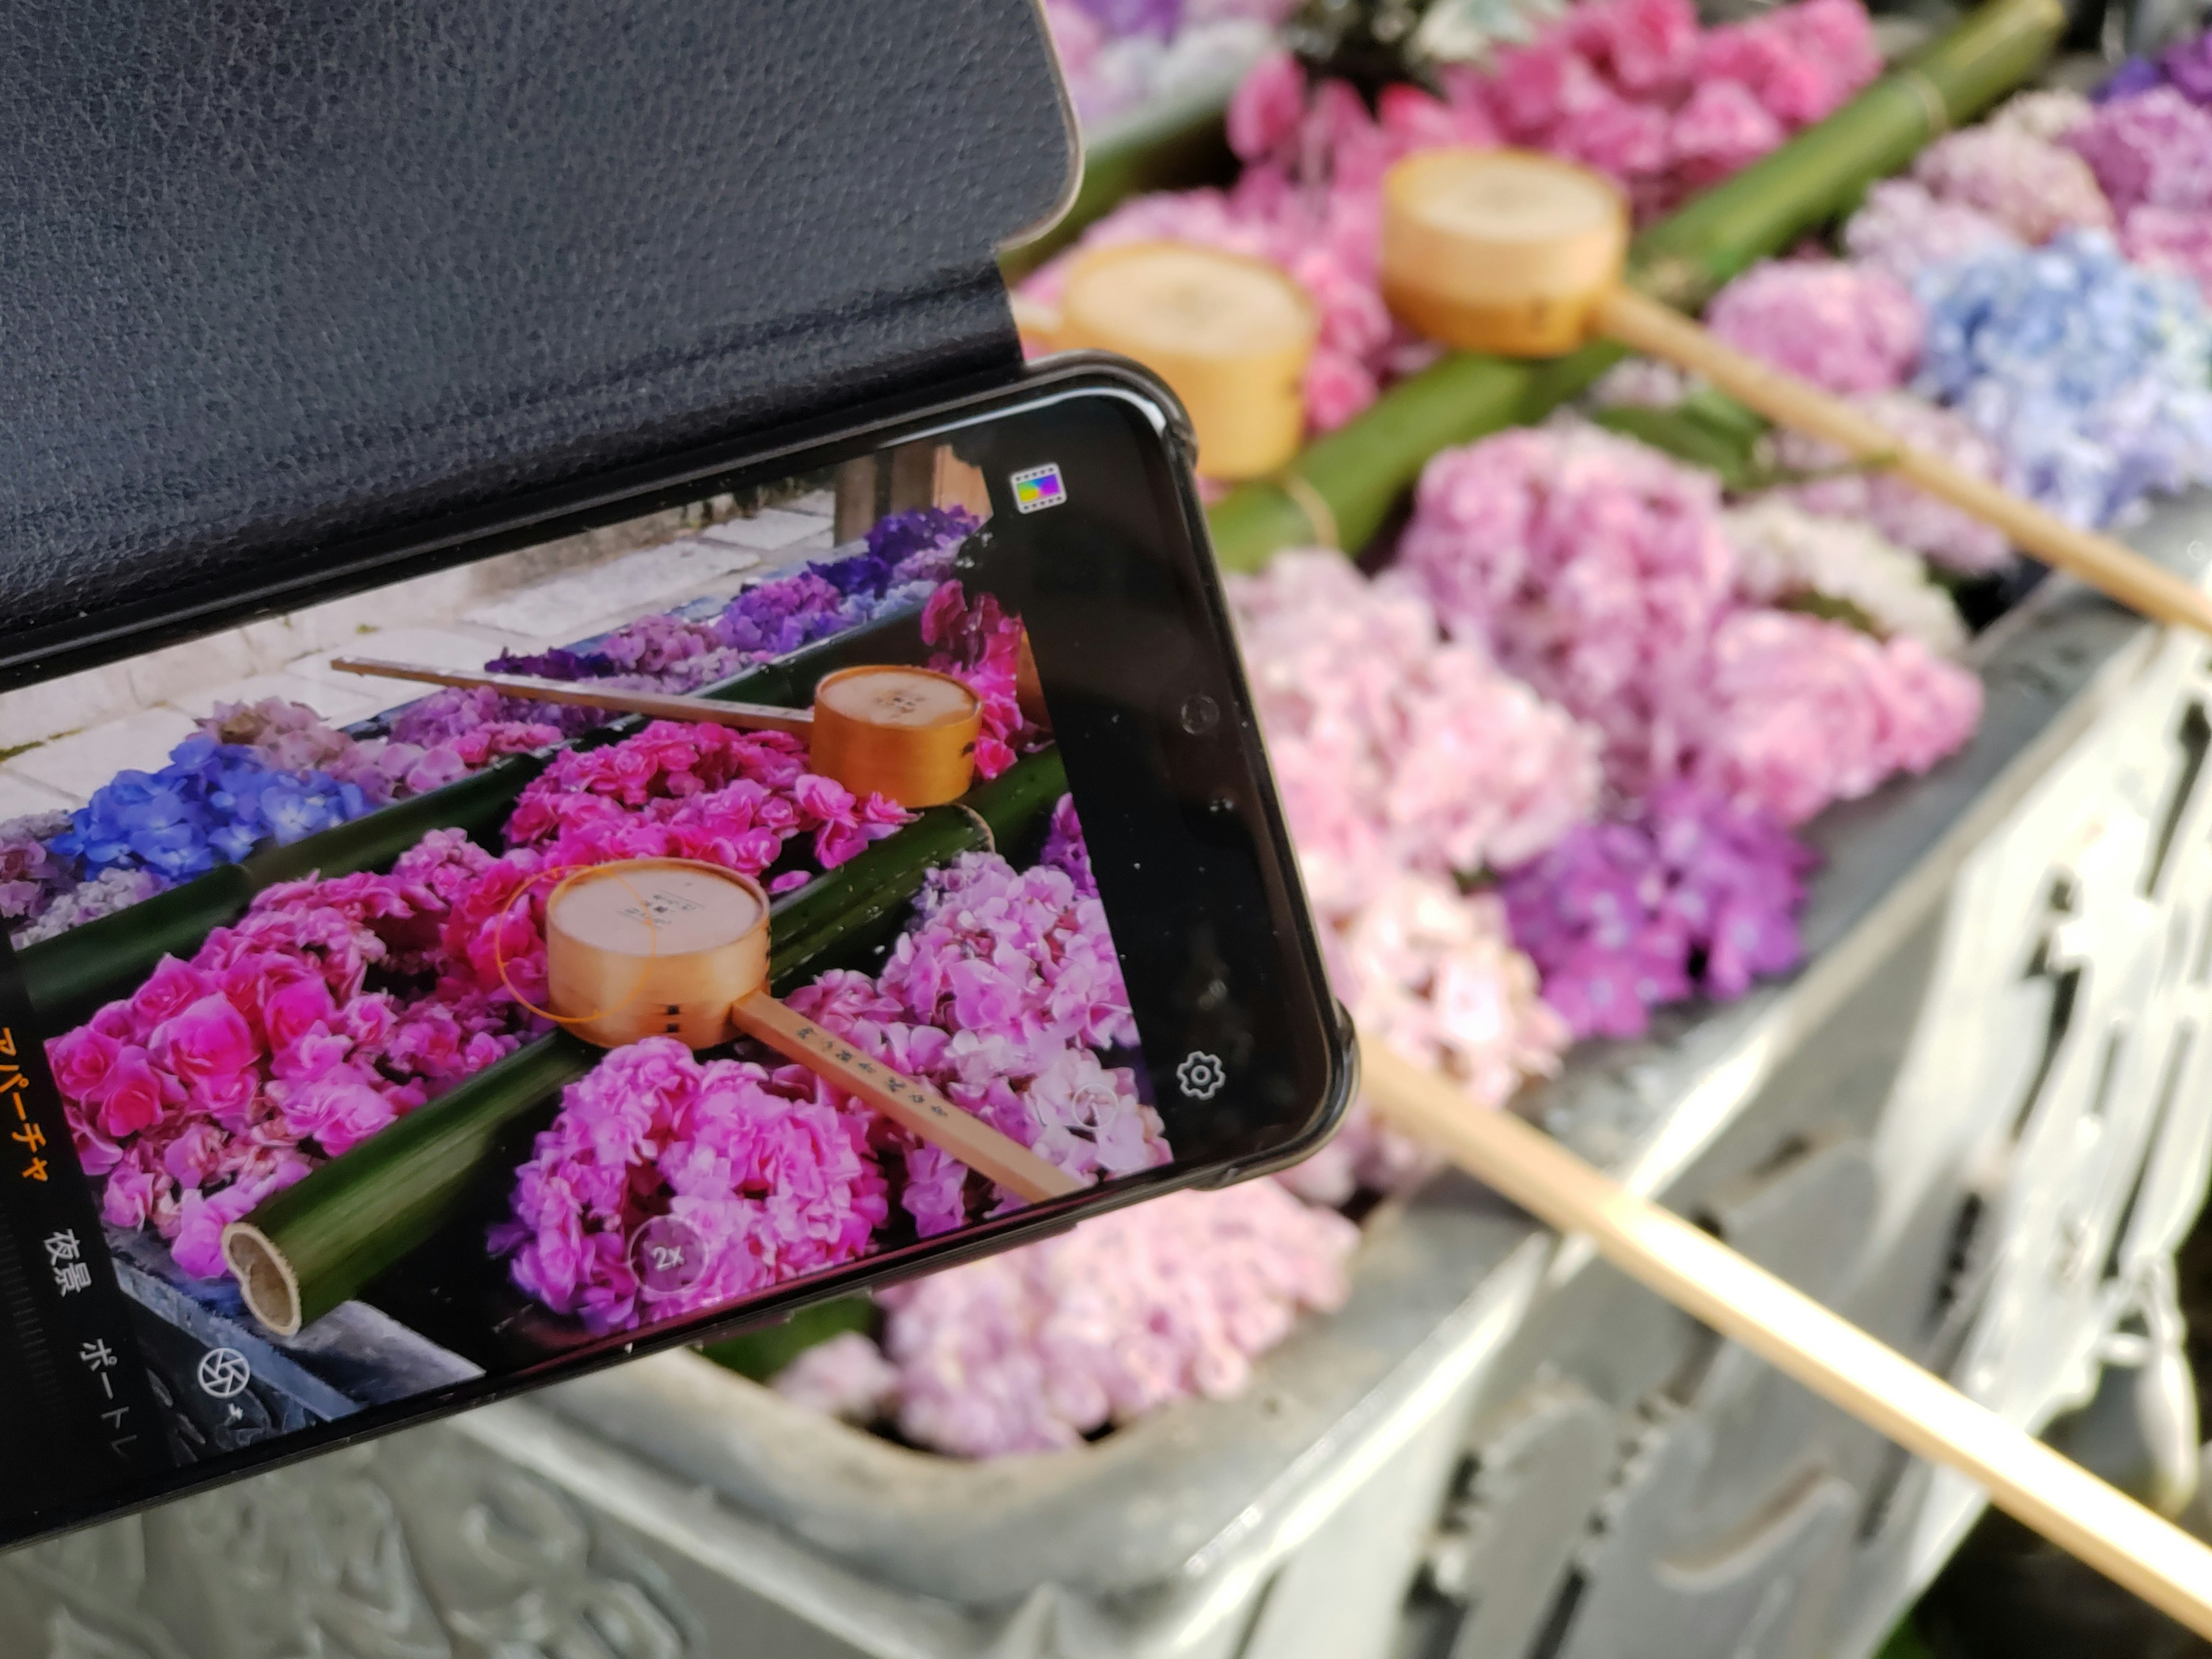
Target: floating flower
x,y
1848,328
1591,567
1000,995
980,646
1793,712
2035,188
1034,1349
667,1185
1902,230
1842,569
2089,375
2154,149
1690,894
1394,749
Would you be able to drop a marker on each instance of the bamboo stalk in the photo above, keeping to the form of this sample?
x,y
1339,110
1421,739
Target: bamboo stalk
x,y
317,1244
2119,571
2103,1527
1358,473
587,694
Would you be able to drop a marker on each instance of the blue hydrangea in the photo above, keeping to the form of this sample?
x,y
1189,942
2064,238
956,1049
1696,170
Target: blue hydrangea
x,y
212,804
2092,377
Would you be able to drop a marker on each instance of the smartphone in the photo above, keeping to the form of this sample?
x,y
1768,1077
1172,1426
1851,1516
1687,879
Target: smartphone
x,y
970,913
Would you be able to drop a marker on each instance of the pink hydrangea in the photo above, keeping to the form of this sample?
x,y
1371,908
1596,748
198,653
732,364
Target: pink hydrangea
x,y
1794,713
1431,971
1001,995
1034,1349
1396,750
2153,148
2171,239
847,1376
1592,568
667,1185
2033,188
1902,230
980,646
674,790
1846,328
287,1039
1801,62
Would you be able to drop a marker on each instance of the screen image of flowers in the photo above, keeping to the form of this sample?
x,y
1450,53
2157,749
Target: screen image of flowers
x,y
400,967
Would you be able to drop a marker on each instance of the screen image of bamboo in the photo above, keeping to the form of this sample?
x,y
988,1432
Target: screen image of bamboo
x,y
906,733
1522,255
315,1245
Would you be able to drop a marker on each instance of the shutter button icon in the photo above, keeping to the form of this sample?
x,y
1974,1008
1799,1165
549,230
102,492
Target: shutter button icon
x,y
1200,1075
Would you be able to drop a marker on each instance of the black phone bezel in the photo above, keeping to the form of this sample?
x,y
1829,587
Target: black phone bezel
x,y
689,478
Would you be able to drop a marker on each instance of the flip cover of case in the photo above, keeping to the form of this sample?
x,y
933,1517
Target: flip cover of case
x,y
284,283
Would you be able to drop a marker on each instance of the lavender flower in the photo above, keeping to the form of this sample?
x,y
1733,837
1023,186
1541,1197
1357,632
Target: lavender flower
x,y
1689,895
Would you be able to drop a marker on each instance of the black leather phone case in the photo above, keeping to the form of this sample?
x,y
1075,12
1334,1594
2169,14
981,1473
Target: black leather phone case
x,y
281,285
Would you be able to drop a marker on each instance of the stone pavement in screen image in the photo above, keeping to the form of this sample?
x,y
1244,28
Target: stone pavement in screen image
x,y
64,739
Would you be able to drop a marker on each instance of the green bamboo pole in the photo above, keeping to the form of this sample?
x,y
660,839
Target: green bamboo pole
x,y
316,1244
1362,469
70,976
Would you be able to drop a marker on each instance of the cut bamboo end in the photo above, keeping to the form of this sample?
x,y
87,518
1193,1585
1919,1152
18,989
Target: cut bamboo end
x,y
1230,335
654,947
1499,250
908,734
265,1277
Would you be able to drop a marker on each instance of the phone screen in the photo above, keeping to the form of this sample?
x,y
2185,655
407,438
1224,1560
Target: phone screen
x,y
353,1074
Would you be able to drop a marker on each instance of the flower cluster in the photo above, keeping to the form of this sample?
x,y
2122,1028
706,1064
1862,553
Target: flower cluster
x,y
2033,188
905,556
1840,569
1032,1350
1631,87
981,646
1603,575
31,874
999,996
290,737
1902,230
704,791
2153,149
2089,375
212,804
1692,893
1591,567
286,1039
668,1184
1396,750
1845,328
89,901
1790,713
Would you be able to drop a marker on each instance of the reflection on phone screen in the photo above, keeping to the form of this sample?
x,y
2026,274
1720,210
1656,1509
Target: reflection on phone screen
x,y
499,1030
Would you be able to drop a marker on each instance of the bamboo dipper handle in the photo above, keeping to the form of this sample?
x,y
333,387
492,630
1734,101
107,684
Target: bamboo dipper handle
x,y
661,705
1796,1334
2120,572
910,1104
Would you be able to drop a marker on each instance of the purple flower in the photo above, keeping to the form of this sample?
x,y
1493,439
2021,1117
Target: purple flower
x,y
1691,895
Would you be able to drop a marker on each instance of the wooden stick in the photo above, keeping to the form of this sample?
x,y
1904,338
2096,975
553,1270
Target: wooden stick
x,y
661,705
2118,571
1796,1334
910,1104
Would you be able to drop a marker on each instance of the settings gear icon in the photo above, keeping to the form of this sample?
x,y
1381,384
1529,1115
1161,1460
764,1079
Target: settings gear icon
x,y
1200,1075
